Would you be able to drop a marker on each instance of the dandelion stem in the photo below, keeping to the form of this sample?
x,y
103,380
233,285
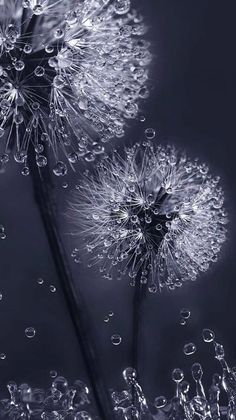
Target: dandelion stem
x,y
44,196
139,296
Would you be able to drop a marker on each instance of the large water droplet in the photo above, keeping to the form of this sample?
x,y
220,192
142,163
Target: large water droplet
x,y
208,335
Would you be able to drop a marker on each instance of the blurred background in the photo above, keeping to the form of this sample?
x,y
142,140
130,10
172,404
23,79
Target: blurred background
x,y
191,105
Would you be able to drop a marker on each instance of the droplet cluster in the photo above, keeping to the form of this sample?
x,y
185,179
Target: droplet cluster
x,y
186,404
71,73
152,214
61,401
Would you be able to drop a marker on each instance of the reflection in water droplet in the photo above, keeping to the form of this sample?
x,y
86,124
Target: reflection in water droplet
x,y
208,335
189,349
30,332
116,339
52,288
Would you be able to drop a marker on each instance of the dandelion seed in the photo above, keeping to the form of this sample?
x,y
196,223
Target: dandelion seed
x,y
153,213
71,73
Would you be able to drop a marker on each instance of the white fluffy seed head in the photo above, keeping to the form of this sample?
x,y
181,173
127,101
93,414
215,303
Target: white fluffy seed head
x,y
152,214
71,74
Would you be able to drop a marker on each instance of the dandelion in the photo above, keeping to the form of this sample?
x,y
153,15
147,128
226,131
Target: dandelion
x,y
71,73
154,213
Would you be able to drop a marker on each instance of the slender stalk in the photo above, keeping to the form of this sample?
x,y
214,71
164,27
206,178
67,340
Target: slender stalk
x,y
44,196
139,296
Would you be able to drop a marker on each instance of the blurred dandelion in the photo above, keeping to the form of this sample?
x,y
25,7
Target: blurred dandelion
x,y
71,73
154,213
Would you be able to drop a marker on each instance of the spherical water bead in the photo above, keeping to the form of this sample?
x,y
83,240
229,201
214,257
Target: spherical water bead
x,y
40,281
60,169
53,374
177,375
30,332
3,356
189,349
41,161
52,288
185,313
19,65
208,335
60,383
150,133
27,48
25,171
160,402
106,319
18,119
116,339
122,6
39,71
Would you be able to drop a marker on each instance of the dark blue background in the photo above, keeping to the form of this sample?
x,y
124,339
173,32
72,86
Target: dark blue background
x,y
192,104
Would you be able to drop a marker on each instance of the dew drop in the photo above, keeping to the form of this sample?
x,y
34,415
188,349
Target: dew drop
x,y
30,332
189,349
116,339
208,335
39,71
19,65
185,313
60,169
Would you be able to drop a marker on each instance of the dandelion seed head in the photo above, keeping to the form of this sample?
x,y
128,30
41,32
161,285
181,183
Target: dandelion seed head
x,y
153,213
71,74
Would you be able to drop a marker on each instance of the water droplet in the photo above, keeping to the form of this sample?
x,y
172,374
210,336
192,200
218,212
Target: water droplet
x,y
60,169
122,6
208,335
189,349
185,313
30,332
150,133
52,288
177,375
106,319
111,313
160,402
19,65
3,356
116,339
40,281
142,118
1,295
53,373
39,71
27,48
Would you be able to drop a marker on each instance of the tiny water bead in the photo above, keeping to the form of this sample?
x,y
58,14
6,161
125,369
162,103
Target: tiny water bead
x,y
52,288
40,281
116,339
189,349
76,255
150,133
53,373
3,356
208,335
30,332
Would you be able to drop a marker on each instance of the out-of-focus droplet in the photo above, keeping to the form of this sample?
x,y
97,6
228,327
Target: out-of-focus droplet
x,y
106,319
40,280
53,373
52,288
3,356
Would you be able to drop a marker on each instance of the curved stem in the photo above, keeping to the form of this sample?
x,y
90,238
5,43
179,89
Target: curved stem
x,y
44,196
